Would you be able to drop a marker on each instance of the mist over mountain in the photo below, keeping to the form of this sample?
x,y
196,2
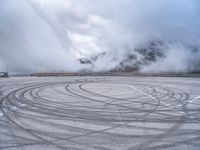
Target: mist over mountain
x,y
101,35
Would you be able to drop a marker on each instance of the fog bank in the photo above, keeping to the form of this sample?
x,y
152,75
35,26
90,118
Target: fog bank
x,y
149,36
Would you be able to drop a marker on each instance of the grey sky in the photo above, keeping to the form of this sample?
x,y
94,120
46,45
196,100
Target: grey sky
x,y
50,35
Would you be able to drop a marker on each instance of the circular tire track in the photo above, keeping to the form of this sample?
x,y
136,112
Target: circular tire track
x,y
103,113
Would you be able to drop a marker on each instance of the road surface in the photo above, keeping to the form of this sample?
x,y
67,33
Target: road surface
x,y
100,113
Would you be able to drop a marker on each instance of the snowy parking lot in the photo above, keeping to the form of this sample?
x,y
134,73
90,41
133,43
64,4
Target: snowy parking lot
x,y
100,113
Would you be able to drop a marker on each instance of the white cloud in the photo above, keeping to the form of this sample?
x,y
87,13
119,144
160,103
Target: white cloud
x,y
53,34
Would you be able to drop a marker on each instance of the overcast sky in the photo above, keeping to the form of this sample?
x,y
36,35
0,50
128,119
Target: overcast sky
x,y
51,35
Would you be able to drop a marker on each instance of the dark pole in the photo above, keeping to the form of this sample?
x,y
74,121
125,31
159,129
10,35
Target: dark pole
x,y
7,70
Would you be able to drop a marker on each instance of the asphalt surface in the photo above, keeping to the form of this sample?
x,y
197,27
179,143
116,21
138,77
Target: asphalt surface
x,y
100,113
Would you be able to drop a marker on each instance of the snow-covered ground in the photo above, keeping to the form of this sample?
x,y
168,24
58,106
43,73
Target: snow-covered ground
x,y
100,113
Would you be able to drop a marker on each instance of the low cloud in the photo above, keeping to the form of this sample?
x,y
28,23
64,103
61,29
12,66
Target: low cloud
x,y
49,35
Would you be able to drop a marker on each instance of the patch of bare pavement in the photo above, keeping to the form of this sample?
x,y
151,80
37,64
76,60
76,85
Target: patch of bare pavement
x,y
100,113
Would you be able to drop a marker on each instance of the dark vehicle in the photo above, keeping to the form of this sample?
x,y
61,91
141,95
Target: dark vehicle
x,y
4,74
